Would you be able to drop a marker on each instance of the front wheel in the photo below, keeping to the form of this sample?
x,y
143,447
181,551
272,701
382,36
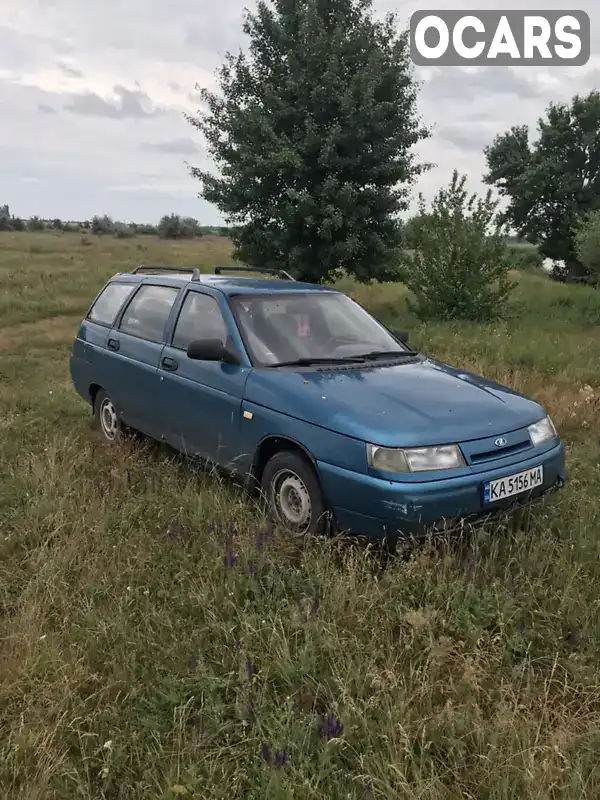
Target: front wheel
x,y
293,495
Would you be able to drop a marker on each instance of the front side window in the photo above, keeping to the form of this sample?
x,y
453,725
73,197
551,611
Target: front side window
x,y
286,327
108,304
148,312
200,318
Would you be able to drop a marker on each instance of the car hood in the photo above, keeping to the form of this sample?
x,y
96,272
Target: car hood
x,y
408,404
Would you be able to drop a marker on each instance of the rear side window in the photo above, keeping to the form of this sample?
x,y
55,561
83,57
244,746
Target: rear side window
x,y
200,318
109,303
148,312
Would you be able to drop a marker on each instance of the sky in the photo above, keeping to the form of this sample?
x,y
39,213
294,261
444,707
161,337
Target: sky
x,y
94,96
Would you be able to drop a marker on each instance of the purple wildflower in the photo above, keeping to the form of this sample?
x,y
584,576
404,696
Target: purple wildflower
x,y
249,669
331,728
211,529
229,559
522,627
368,793
193,661
265,753
295,708
261,540
251,571
251,711
281,758
236,644
315,605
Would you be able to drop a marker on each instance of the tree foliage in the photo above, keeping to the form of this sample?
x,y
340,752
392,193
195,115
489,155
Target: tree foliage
x,y
411,229
552,183
172,226
458,269
587,244
102,225
35,224
312,133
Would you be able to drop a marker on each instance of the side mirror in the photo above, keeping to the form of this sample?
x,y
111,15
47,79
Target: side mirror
x,y
402,336
212,350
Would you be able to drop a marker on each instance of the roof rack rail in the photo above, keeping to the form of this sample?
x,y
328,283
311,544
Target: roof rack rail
x,y
280,272
196,275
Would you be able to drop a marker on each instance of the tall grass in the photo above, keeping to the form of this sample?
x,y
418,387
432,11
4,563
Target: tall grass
x,y
158,642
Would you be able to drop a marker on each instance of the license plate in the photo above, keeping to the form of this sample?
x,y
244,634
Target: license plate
x,y
512,484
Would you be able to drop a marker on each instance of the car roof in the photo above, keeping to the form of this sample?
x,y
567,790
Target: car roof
x,y
228,284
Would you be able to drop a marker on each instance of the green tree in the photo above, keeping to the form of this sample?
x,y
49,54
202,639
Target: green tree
x,y
170,227
123,231
551,183
312,132
57,224
411,228
144,229
587,244
5,219
458,269
190,227
35,224
102,225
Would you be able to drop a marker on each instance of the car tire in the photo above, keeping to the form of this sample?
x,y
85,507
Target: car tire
x,y
294,498
107,418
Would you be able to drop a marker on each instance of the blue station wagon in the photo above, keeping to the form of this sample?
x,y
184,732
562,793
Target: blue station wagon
x,y
300,392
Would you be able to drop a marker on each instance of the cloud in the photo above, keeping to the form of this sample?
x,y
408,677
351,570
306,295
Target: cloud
x,y
460,84
96,102
182,146
468,137
71,72
126,104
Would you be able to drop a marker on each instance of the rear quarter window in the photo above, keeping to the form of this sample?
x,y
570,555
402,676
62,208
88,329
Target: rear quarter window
x,y
110,302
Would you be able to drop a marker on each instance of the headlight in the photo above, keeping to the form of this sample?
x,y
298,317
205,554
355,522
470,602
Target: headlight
x,y
542,431
415,459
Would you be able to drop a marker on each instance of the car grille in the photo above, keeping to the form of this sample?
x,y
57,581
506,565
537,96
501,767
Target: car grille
x,y
481,450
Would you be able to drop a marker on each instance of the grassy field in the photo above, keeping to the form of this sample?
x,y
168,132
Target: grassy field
x,y
137,660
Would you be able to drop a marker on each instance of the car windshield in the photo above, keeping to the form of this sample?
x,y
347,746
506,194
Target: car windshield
x,y
279,328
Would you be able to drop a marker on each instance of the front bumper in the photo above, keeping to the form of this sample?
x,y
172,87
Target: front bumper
x,y
369,506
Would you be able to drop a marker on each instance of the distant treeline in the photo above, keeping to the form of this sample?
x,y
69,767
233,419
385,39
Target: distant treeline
x,y
171,226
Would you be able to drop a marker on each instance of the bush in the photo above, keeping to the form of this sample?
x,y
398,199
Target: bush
x,y
35,224
587,244
146,230
524,257
123,231
190,227
102,225
458,268
172,226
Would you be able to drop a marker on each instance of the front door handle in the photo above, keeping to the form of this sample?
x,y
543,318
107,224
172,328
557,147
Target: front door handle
x,y
113,344
170,363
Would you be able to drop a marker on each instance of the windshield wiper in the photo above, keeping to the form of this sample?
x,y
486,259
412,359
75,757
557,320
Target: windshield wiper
x,y
387,354
308,362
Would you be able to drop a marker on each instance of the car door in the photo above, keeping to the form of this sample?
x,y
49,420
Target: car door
x,y
201,401
136,343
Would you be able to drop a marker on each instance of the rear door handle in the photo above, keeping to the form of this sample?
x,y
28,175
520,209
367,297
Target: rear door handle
x,y
113,344
170,363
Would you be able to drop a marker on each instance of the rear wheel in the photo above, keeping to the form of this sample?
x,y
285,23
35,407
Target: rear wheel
x,y
107,417
293,495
